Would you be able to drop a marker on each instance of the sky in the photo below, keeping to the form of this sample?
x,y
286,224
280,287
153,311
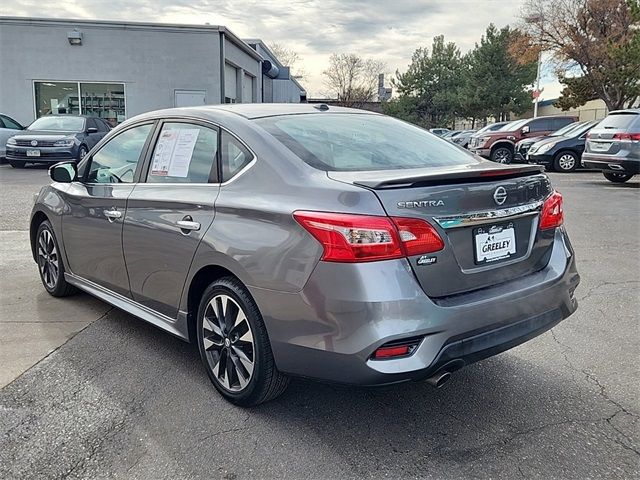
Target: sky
x,y
387,30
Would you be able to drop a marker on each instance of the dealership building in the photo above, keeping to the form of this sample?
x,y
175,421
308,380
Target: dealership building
x,y
116,70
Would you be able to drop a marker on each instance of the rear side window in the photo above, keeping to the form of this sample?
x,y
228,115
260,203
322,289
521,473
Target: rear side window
x,y
619,121
540,125
234,158
561,122
362,142
184,153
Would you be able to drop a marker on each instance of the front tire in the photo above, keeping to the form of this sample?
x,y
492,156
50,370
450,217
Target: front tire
x,y
234,345
565,162
82,151
617,177
50,263
17,163
502,155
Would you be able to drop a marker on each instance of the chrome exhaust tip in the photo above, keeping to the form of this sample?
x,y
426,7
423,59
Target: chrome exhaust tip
x,y
439,379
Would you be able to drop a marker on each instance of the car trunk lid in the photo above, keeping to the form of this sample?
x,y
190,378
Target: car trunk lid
x,y
488,217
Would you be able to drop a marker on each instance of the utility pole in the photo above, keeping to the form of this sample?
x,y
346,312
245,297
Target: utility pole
x,y
536,92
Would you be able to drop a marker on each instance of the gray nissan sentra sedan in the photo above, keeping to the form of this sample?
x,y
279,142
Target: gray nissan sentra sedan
x,y
312,241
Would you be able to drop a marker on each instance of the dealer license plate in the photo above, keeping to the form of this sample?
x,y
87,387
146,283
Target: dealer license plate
x,y
494,243
33,153
600,146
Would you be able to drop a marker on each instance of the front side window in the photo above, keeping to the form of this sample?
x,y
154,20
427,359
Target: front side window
x,y
184,153
361,142
116,161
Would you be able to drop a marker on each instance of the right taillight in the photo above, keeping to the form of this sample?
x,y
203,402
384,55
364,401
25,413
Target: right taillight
x,y
365,238
552,212
627,136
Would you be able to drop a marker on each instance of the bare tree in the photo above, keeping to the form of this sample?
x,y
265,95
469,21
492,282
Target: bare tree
x,y
599,37
289,58
353,80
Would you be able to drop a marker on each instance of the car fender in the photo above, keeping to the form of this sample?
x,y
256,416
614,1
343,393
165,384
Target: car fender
x,y
504,142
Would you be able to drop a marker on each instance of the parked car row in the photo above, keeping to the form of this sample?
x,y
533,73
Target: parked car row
x,y
51,139
611,145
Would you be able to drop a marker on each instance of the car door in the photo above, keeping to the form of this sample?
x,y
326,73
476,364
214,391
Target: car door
x,y
96,207
92,137
169,212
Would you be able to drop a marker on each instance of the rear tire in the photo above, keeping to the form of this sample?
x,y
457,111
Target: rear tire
x,y
17,163
565,162
234,345
617,177
50,264
502,155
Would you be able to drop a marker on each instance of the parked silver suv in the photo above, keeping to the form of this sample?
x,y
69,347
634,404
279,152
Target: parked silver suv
x,y
613,146
308,240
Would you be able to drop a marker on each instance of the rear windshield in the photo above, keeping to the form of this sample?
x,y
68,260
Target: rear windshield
x,y
618,120
362,142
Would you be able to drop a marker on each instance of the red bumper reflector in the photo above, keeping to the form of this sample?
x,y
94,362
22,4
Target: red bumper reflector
x,y
395,351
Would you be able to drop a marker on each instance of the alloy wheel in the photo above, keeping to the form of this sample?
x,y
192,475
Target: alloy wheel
x,y
567,161
228,343
502,155
48,259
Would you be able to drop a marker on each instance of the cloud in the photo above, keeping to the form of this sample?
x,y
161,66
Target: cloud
x,y
385,30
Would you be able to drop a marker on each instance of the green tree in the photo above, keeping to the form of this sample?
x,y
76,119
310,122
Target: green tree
x,y
495,83
428,90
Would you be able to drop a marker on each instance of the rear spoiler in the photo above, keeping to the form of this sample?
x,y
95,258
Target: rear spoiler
x,y
378,180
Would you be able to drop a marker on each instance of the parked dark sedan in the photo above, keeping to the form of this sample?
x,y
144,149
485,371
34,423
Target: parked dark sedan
x,y
54,138
561,153
523,146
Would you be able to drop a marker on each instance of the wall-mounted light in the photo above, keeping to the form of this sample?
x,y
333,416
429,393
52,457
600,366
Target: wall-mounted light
x,y
74,37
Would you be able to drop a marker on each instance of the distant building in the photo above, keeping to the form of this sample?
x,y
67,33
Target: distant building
x,y
592,110
278,85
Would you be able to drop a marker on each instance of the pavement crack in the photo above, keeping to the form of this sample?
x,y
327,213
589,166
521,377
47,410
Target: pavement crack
x,y
595,288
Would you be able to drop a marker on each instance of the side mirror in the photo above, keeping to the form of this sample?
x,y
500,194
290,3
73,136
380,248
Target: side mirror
x,y
525,129
64,172
92,130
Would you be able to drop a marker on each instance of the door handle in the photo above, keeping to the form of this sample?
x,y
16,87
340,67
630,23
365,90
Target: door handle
x,y
188,225
112,215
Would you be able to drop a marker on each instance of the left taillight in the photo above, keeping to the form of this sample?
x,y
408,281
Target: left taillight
x,y
366,238
552,212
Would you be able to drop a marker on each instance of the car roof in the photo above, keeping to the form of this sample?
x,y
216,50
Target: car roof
x,y
259,110
626,110
66,115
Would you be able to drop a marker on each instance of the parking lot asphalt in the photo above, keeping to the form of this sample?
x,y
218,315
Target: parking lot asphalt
x,y
121,398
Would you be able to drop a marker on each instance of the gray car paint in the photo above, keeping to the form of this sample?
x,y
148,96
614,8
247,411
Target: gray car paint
x,y
324,320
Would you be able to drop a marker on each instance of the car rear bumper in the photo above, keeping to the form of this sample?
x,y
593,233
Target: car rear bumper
x,y
331,328
611,163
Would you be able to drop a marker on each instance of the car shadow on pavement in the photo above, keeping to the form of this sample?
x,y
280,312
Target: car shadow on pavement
x,y
140,396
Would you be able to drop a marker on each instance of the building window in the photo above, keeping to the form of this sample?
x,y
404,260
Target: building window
x,y
53,98
103,100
